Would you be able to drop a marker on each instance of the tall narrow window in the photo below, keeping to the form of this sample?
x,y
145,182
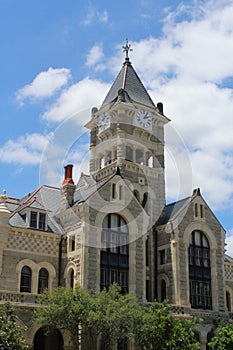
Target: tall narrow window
x,y
144,200
71,278
199,271
114,261
228,299
201,211
162,257
43,280
147,251
26,278
41,221
33,219
113,191
120,192
163,291
196,209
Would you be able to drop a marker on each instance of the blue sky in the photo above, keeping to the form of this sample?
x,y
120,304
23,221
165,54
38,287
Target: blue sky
x,y
58,60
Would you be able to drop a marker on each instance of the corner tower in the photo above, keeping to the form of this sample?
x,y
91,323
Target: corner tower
x,y
128,132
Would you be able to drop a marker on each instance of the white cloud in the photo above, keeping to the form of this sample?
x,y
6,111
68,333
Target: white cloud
x,y
229,242
94,56
94,15
86,93
26,150
44,85
186,69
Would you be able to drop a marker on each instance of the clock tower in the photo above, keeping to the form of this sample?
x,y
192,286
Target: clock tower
x,y
127,133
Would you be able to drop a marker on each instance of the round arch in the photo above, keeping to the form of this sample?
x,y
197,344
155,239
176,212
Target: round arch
x,y
34,268
51,270
200,226
163,277
31,332
204,228
53,340
69,268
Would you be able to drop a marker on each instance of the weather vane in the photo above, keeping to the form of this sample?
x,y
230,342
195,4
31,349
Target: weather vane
x,y
126,49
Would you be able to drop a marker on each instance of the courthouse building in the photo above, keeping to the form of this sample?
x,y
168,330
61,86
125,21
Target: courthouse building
x,y
113,225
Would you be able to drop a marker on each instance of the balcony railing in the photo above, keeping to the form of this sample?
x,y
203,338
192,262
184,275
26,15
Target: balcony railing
x,y
18,298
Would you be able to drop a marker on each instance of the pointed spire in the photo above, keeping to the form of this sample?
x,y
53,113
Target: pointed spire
x,y
128,85
127,49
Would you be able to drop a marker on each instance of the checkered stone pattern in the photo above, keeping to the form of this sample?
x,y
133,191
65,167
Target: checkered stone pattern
x,y
43,246
229,272
178,310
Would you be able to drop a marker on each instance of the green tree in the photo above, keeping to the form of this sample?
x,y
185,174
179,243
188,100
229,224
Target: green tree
x,y
11,335
66,309
115,315
158,330
223,336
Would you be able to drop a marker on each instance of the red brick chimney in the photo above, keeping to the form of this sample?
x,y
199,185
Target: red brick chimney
x,y
67,188
68,175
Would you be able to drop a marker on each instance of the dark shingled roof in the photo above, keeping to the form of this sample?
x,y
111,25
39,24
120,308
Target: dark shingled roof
x,y
83,193
172,210
228,259
46,198
129,81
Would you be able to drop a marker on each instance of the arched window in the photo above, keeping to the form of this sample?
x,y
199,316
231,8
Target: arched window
x,y
199,271
114,260
43,280
26,279
163,291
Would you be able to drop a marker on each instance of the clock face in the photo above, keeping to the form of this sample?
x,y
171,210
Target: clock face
x,y
104,121
143,118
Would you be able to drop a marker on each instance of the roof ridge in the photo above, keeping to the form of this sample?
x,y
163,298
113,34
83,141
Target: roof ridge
x,y
179,200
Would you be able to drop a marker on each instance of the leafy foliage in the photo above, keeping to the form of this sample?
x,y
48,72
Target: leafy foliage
x,y
66,309
157,330
114,317
223,338
11,335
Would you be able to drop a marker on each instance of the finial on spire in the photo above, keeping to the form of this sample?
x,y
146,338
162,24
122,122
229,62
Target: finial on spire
x,y
126,49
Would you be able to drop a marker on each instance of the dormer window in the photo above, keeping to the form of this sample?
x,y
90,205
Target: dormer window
x,y
35,219
38,220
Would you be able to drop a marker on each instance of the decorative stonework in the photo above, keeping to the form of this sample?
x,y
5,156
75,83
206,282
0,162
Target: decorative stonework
x,y
228,272
42,245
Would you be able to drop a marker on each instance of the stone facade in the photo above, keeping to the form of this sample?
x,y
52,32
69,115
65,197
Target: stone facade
x,y
114,225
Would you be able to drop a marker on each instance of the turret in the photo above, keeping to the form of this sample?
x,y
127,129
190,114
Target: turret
x,y
4,211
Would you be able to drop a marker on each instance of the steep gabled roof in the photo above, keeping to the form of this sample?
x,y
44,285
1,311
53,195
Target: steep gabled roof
x,y
129,81
171,211
46,198
83,193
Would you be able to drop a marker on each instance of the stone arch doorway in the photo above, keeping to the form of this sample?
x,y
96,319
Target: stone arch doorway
x,y
51,341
